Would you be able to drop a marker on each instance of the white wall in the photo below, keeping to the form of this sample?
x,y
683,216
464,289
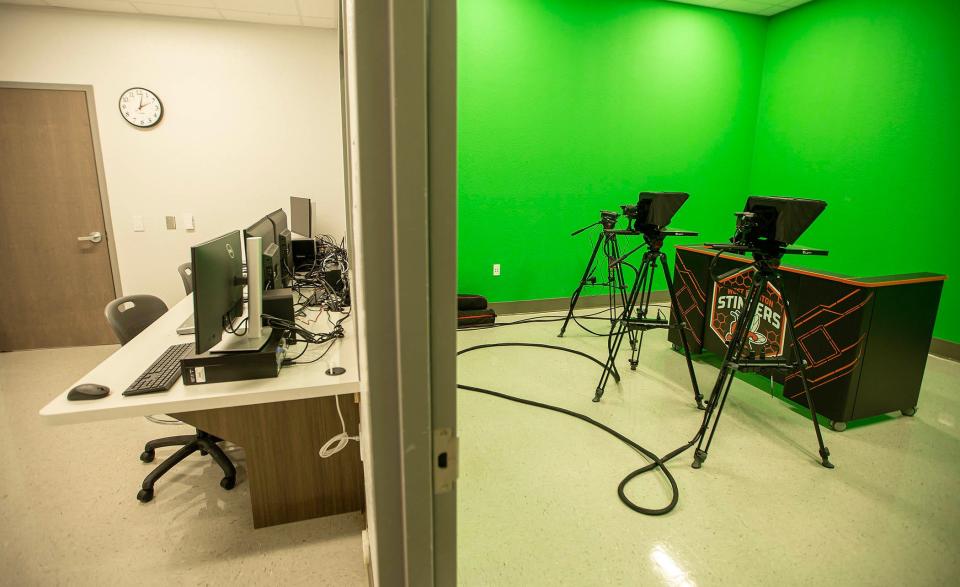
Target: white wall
x,y
251,117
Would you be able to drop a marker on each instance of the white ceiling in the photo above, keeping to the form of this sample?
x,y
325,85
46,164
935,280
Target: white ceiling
x,y
311,13
763,7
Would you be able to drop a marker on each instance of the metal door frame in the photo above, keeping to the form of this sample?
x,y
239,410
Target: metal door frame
x,y
399,113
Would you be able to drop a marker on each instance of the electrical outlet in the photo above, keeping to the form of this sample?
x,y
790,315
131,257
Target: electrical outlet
x,y
171,222
496,269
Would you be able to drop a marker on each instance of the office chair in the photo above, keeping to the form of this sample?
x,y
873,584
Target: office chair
x,y
186,274
129,316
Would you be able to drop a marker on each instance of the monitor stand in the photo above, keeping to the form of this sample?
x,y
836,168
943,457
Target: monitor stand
x,y
234,343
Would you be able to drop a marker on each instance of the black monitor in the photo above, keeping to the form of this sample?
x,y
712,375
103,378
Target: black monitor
x,y
654,210
285,243
217,287
301,216
779,220
264,229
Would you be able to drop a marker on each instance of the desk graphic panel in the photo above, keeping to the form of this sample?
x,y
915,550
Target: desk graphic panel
x,y
839,322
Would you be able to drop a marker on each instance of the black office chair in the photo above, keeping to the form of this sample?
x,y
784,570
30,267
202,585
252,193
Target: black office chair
x,y
186,274
129,316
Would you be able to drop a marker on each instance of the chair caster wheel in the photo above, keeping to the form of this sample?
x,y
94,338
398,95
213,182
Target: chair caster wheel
x,y
145,495
147,457
838,426
909,411
228,482
203,453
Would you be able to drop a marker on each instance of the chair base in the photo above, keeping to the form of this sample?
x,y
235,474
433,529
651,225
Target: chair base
x,y
201,441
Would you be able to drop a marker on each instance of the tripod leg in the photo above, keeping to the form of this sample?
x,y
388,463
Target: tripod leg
x,y
700,454
617,331
675,309
616,275
650,268
801,363
734,349
583,281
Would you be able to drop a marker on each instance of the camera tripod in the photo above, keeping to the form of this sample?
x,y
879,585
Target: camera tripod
x,y
635,318
765,267
616,286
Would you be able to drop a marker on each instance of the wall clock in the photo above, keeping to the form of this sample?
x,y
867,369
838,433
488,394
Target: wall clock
x,y
141,107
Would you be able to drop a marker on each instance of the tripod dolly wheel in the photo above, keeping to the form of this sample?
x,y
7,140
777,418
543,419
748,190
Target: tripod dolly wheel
x,y
838,426
909,411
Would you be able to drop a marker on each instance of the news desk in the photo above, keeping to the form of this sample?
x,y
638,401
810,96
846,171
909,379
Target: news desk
x,y
281,422
865,339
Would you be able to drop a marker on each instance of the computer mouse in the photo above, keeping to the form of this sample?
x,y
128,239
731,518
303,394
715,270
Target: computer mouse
x,y
86,391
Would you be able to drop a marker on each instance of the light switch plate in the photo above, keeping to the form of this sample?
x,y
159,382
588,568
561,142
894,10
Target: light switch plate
x,y
171,222
186,220
138,224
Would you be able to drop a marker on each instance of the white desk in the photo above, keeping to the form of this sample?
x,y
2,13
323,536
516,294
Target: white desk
x,y
122,367
281,422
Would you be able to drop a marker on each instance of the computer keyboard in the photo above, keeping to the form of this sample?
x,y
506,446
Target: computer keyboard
x,y
162,373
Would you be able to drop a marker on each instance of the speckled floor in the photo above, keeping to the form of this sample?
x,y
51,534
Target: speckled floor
x,y
537,497
69,514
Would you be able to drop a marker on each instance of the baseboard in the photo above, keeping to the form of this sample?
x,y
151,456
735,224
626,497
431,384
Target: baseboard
x,y
561,304
945,349
938,347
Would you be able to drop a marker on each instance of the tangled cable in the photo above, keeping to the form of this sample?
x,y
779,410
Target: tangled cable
x,y
656,462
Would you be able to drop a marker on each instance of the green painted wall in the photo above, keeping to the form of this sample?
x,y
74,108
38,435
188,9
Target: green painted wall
x,y
567,107
860,106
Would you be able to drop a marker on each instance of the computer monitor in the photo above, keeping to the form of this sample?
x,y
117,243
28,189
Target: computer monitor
x,y
264,229
217,287
285,243
301,216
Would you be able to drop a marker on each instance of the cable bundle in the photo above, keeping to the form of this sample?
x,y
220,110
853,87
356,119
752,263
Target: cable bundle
x,y
328,276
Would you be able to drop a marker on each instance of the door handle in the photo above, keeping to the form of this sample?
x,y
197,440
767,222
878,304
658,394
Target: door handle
x,y
93,237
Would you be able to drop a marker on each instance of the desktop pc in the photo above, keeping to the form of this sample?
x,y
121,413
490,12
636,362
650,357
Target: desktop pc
x,y
229,346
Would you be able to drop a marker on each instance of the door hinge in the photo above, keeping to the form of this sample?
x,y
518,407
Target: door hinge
x,y
445,459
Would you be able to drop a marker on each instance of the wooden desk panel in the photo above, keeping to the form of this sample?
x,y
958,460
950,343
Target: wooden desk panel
x,y
289,481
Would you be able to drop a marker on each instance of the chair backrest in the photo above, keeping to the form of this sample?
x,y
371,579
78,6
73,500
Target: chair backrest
x,y
129,315
186,274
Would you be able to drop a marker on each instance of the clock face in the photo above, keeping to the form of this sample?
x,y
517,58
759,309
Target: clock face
x,y
141,107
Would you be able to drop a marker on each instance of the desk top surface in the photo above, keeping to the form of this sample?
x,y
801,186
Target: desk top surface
x,y
877,281
129,361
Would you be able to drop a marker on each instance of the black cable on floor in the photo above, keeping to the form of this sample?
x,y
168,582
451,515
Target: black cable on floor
x,y
656,461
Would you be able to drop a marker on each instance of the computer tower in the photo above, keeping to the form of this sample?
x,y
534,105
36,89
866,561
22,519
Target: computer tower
x,y
304,252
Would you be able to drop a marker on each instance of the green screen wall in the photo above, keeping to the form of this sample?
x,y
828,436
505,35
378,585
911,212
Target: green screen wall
x,y
860,106
567,107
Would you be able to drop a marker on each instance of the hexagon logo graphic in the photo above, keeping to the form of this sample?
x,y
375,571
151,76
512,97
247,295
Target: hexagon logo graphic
x,y
768,325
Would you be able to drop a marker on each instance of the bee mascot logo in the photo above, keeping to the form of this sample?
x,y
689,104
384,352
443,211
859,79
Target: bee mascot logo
x,y
768,324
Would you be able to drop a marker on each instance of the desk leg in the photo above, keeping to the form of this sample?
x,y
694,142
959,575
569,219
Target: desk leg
x,y
288,479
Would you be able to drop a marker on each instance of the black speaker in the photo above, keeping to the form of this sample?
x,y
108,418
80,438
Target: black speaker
x,y
279,303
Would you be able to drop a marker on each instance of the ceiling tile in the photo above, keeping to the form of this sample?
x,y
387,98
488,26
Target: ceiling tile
x,y
319,22
288,7
102,5
742,6
321,8
26,2
771,10
170,10
260,17
190,3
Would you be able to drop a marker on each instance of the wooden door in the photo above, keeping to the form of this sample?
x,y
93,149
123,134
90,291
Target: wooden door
x,y
53,287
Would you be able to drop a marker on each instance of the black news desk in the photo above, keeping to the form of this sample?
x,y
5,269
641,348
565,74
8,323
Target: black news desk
x,y
865,339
